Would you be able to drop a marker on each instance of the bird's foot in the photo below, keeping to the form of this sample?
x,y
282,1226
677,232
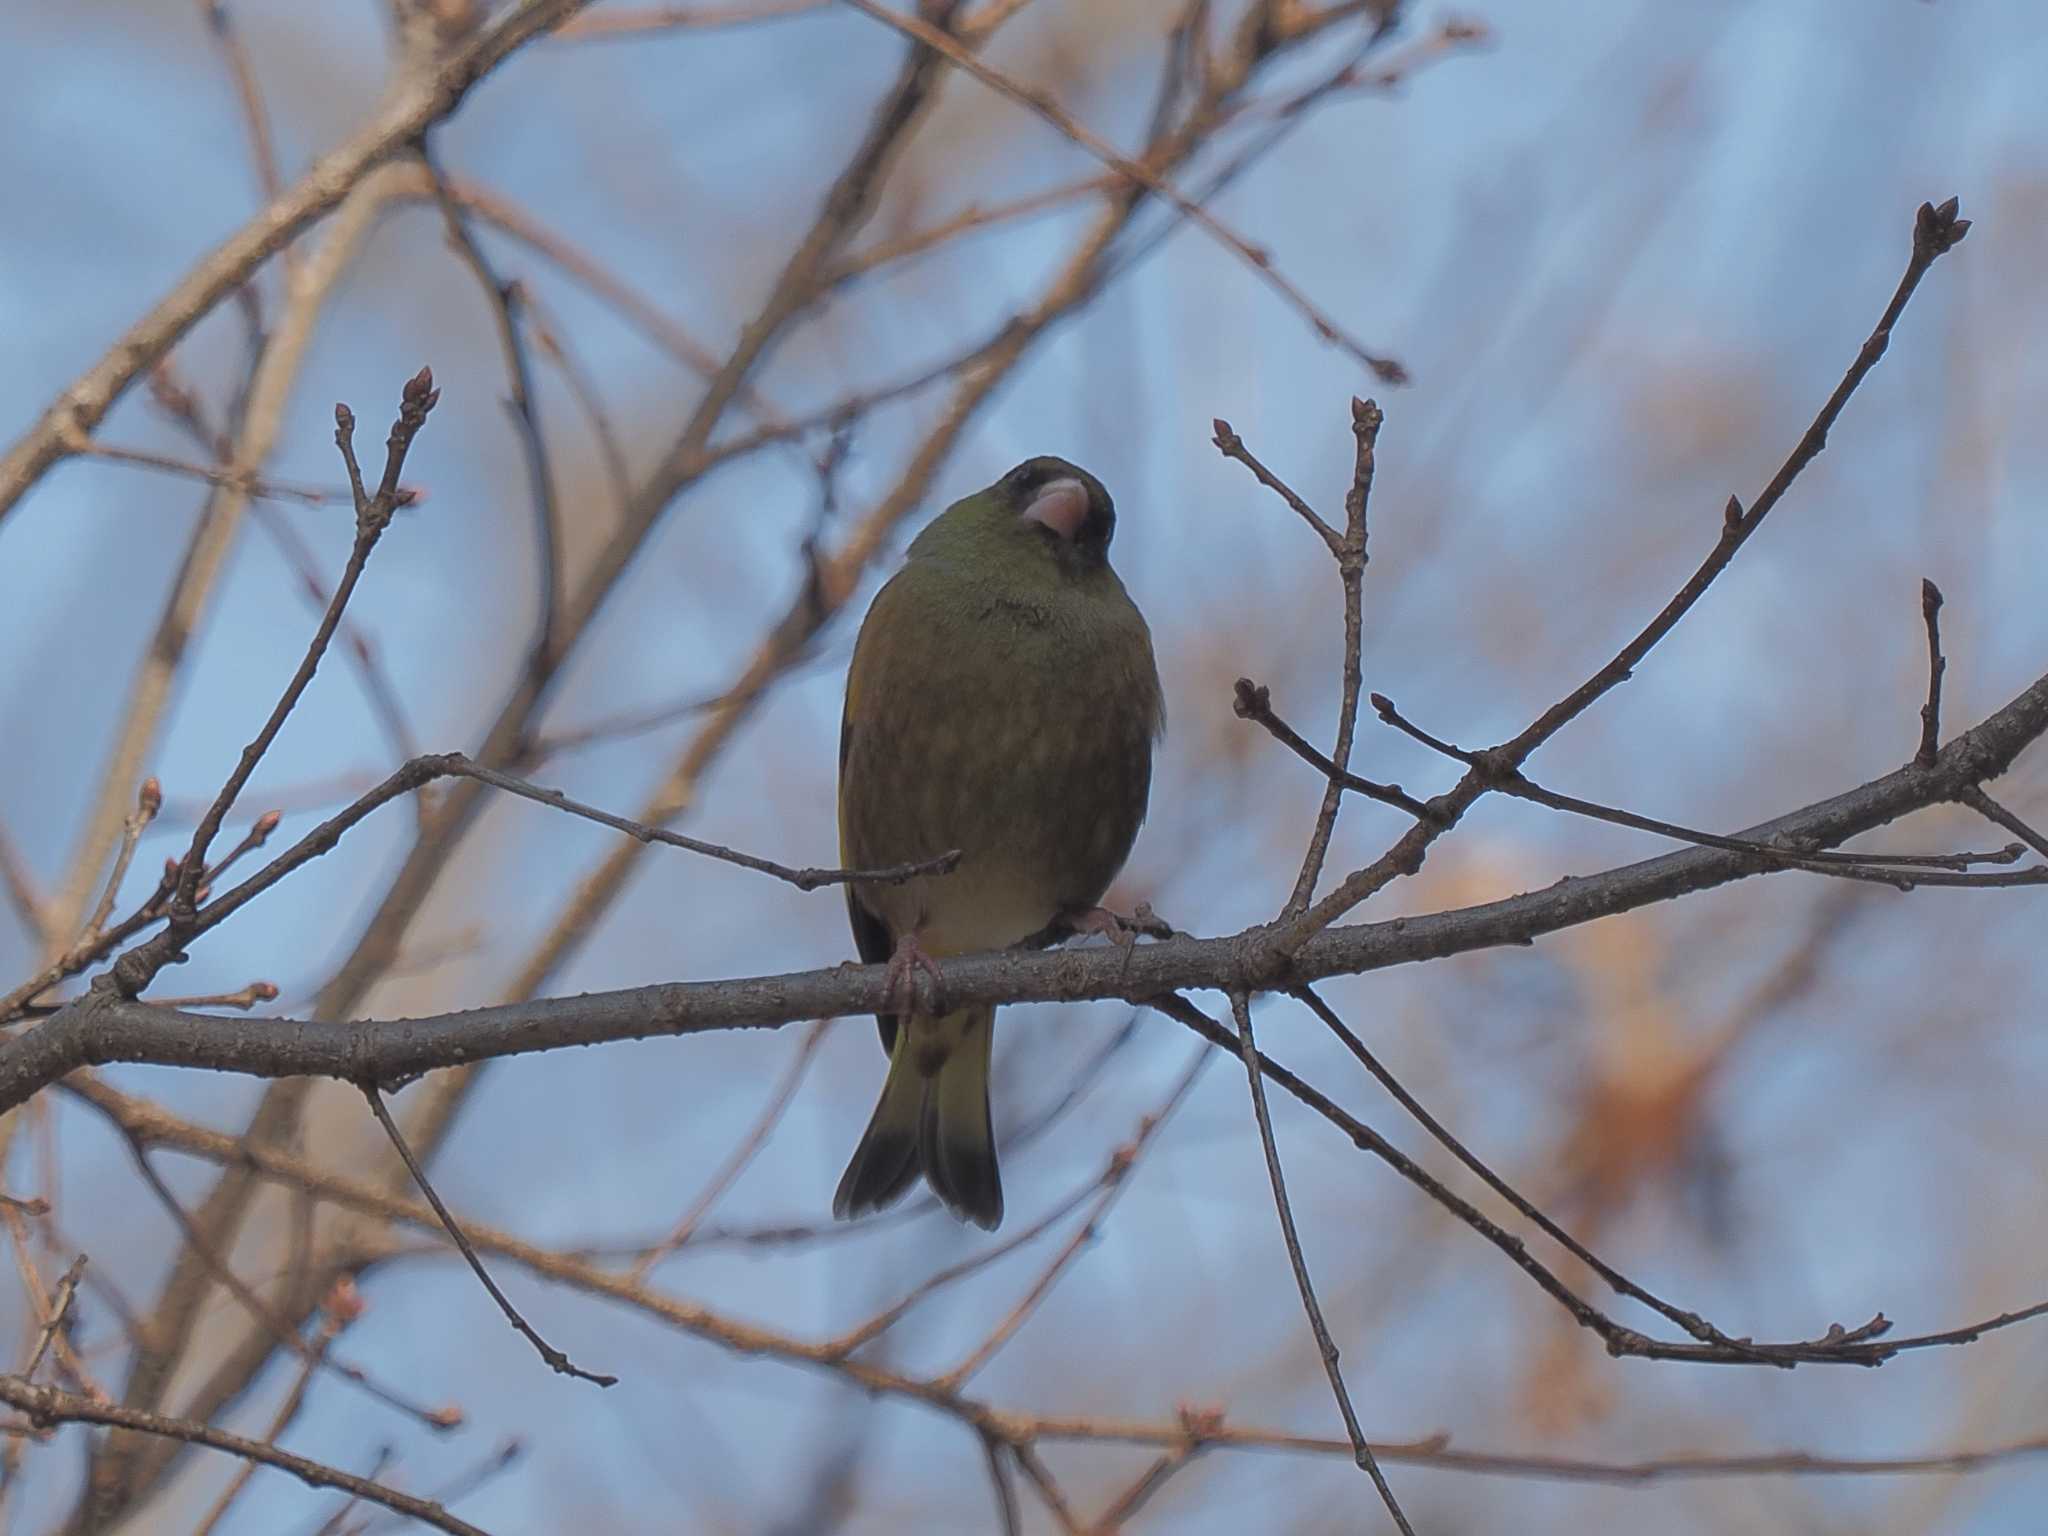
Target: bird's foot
x,y
1102,921
901,988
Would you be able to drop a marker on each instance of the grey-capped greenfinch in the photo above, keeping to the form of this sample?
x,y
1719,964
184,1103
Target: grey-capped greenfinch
x,y
1002,700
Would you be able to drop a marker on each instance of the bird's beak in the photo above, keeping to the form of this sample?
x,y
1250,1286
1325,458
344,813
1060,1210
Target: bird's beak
x,y
1062,505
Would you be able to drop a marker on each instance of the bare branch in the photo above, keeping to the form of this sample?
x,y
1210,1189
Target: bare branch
x,y
558,1362
46,1405
1240,1007
408,113
1930,712
1936,231
1974,797
1258,259
373,516
99,1028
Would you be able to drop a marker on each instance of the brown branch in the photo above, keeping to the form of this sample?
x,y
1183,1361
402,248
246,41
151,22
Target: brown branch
x,y
245,999
1048,1488
431,95
999,1481
1691,1322
1115,1179
340,1310
46,1406
610,24
1930,712
148,697
1882,868
254,486
1254,702
557,1362
583,389
1199,1429
1974,797
969,219
1361,1451
1352,558
1118,1512
149,800
1203,1431
737,1160
267,1316
185,411
20,884
99,1027
455,765
1231,446
503,298
1936,231
1042,105
373,515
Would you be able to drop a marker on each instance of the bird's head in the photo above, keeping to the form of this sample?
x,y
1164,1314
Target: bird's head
x,y
1045,510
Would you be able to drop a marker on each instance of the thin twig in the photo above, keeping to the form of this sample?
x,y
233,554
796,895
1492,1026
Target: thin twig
x,y
265,1314
1040,103
1935,232
504,299
1254,702
1691,1322
1930,712
330,179
1974,797
333,1319
547,338
455,765
1240,1006
675,18
1048,1487
249,484
1115,1179
1882,868
373,516
245,999
999,1481
1118,1512
46,1406
558,1362
148,801
1231,446
20,885
742,1154
59,1310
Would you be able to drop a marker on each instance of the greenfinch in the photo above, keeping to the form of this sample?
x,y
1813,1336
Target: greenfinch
x,y
1002,700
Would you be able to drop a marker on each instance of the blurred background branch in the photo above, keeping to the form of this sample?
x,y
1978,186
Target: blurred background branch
x,y
755,277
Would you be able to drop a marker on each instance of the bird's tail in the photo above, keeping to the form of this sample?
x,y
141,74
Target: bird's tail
x,y
937,1125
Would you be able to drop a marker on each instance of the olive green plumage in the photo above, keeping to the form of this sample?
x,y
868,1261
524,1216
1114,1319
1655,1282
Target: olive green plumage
x,y
1002,700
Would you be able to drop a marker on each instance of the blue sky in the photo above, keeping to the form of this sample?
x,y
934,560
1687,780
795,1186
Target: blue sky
x,y
1624,251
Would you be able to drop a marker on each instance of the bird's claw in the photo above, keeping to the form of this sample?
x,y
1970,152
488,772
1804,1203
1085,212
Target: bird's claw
x,y
901,988
1100,920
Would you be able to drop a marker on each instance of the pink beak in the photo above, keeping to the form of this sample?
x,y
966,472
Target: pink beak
x,y
1062,506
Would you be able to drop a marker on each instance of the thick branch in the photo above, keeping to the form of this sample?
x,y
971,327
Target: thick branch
x,y
99,1028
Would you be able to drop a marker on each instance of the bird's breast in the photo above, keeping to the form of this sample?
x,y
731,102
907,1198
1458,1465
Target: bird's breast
x,y
1032,758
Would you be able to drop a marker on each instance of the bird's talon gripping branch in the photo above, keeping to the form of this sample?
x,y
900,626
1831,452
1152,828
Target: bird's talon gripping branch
x,y
1101,921
903,991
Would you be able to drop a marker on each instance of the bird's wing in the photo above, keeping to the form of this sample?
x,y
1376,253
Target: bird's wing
x,y
870,934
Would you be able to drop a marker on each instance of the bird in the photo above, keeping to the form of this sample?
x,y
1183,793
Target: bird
x,y
1003,701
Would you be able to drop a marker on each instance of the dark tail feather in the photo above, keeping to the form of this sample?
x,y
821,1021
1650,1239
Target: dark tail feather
x,y
937,1125
885,1163
956,1141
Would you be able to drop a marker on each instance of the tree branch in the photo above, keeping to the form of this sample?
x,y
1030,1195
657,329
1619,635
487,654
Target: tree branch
x,y
99,1028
